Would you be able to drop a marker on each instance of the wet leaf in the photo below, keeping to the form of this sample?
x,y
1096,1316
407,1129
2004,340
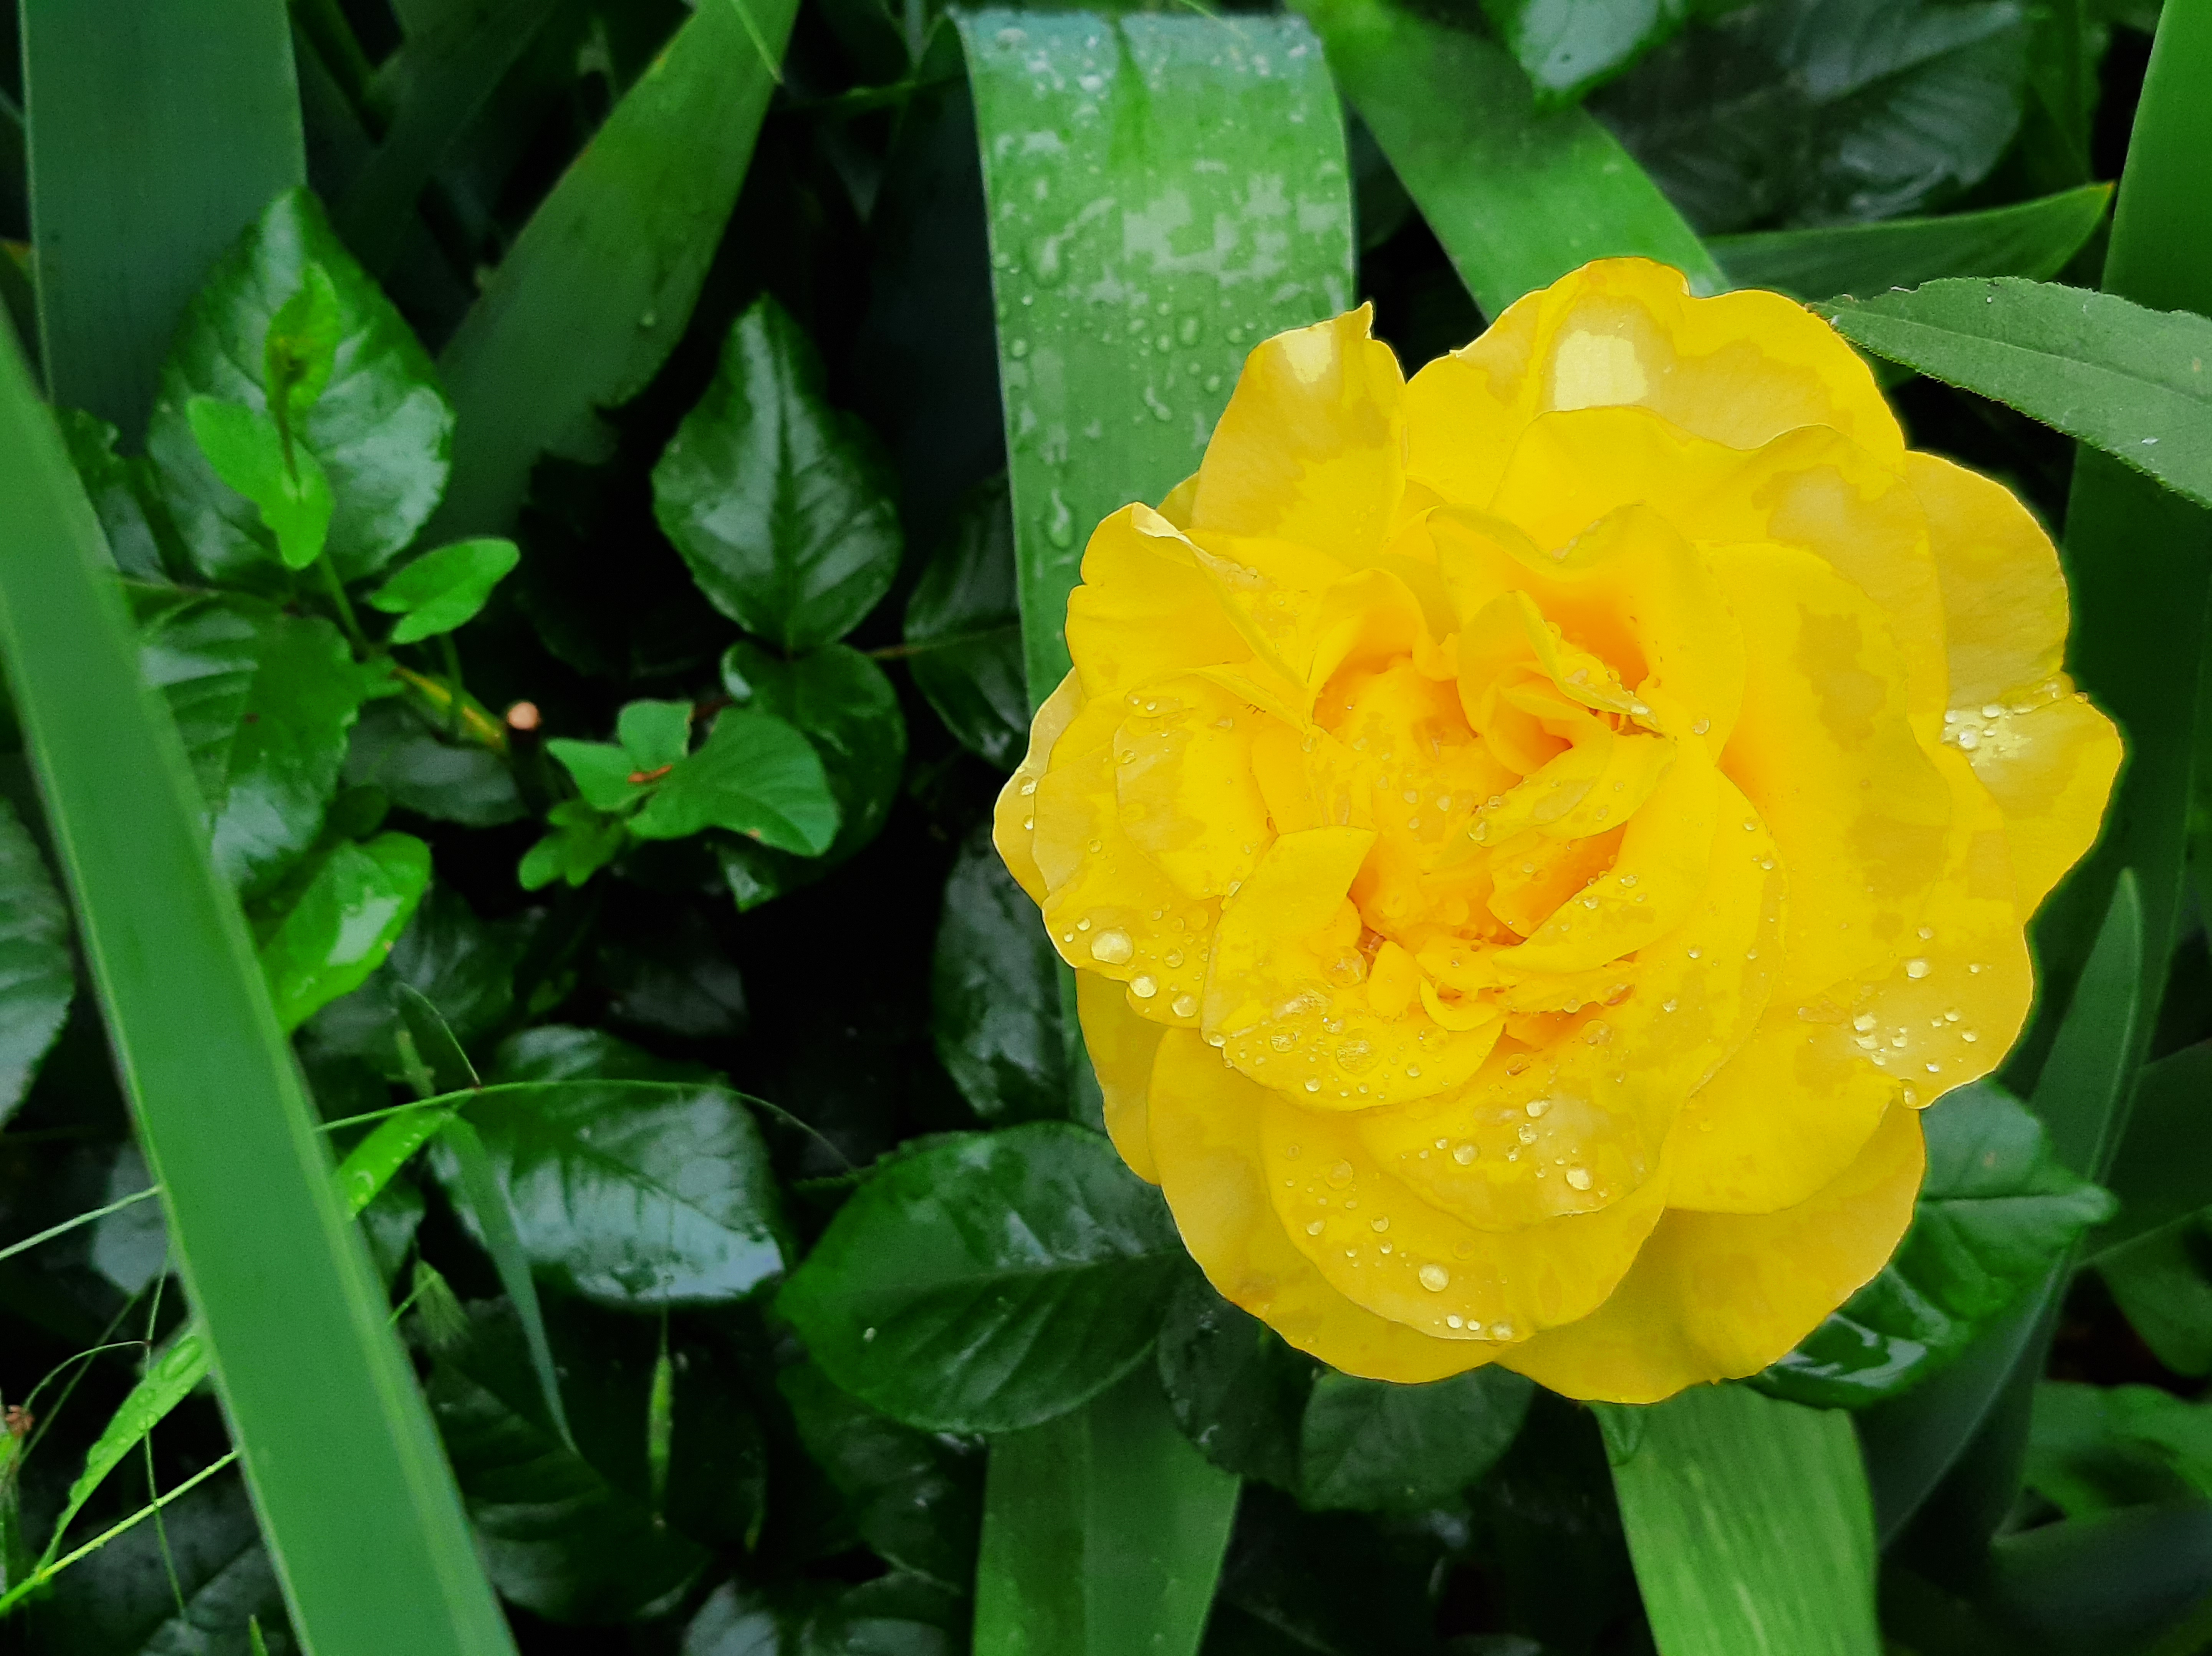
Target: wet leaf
x,y
37,977
989,1282
462,965
754,775
781,504
444,589
963,631
393,748
1568,46
123,491
287,487
994,993
381,427
342,926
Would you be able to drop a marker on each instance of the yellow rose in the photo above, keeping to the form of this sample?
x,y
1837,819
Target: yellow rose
x,y
1530,837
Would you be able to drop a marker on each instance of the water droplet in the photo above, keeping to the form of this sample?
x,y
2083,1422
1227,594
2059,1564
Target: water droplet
x,y
1339,1176
1018,349
1313,1084
1112,946
1059,523
1501,1331
1378,1226
1526,1134
1863,1022
1579,1177
1186,329
1141,985
1455,1322
1927,932
1916,967
1185,1006
1465,1152
1435,1278
1537,1108
1315,1227
1701,727
1969,1035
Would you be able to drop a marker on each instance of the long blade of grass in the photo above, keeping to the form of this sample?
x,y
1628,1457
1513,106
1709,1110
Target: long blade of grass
x,y
358,1507
157,132
1518,197
596,290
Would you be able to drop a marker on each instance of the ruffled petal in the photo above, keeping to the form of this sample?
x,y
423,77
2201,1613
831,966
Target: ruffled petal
x,y
1717,1296
1013,820
1122,1046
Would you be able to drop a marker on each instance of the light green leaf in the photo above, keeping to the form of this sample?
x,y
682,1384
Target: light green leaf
x,y
444,589
602,771
782,505
2130,381
756,775
990,1281
2031,238
963,631
584,840
1518,197
655,733
289,491
381,427
37,977
341,927
462,965
301,348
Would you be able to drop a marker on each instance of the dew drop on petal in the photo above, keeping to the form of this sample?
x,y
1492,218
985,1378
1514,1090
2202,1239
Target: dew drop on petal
x,y
1916,967
1141,986
1184,1006
1579,1177
1435,1278
1465,1152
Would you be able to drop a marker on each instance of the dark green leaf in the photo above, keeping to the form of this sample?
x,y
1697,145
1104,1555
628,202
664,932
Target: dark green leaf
x,y
718,1476
394,749
994,993
630,1191
124,493
1235,1388
963,631
1568,46
2163,1284
561,1537
595,292
343,925
2094,1449
781,504
1821,111
754,775
2127,1580
1375,1446
844,704
989,1283
1518,197
381,428
37,976
444,589
1297,1583
1096,139
892,1615
915,1497
1996,1212
463,966
264,700
476,1186
2128,380
2162,1173
664,969
289,491
2031,238
438,1052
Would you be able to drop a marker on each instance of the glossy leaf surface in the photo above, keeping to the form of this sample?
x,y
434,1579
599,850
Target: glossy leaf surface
x,y
989,1282
343,925
1168,186
420,769
291,493
781,504
963,631
754,775
995,1013
382,427
1997,1213
444,589
2030,239
1567,46
462,965
37,977
595,292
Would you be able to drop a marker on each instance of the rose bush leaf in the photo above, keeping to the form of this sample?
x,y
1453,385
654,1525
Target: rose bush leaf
x,y
989,1282
341,927
1568,46
380,426
124,492
462,966
995,1012
963,631
446,588
1995,1212
289,491
393,748
754,775
264,700
844,704
780,503
37,977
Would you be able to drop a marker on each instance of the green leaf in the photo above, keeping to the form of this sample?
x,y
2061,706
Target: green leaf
x,y
289,490
1750,1525
264,700
444,589
301,351
1567,46
2095,1449
2129,381
341,927
462,965
1106,173
1103,1532
602,772
2162,1283
1996,1213
2162,1170
170,1378
1518,197
315,1391
394,748
381,428
963,631
124,493
989,1282
595,292
2031,238
844,704
583,841
151,147
560,1536
631,1192
995,1013
664,969
1820,112
915,1497
655,733
1236,1389
37,977
896,1615
781,504
754,775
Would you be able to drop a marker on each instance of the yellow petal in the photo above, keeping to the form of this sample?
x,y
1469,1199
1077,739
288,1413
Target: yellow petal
x,y
1205,1131
1122,1045
1146,608
1175,505
1184,785
1309,448
2045,755
1738,369
1717,1296
1013,820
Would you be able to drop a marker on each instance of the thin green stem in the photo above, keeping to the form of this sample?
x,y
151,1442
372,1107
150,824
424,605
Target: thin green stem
x,y
69,1225
449,653
46,1573
336,588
